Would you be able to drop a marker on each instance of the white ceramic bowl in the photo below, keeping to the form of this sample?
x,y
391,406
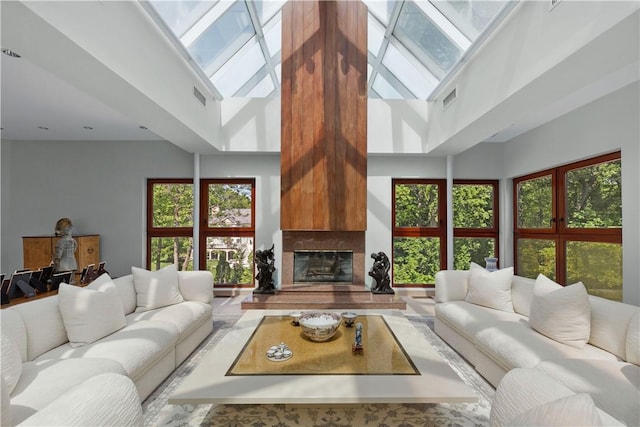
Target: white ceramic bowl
x,y
349,318
320,326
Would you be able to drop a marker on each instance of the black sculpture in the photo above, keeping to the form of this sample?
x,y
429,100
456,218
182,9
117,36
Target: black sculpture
x,y
380,273
265,263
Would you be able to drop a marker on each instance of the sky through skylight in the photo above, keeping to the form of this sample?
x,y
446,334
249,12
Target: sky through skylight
x,y
412,45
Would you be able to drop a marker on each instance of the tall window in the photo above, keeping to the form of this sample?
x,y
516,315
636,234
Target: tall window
x,y
419,233
475,222
170,223
568,224
419,227
227,227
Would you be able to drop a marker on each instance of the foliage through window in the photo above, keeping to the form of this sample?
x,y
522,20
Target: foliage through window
x,y
568,224
419,231
226,235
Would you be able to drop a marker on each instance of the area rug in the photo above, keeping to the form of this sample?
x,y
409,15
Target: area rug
x,y
158,413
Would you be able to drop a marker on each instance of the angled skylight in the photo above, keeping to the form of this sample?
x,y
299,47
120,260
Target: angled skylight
x,y
413,45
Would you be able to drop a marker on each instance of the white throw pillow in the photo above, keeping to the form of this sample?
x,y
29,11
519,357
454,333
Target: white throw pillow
x,y
156,289
561,313
10,362
89,314
490,289
576,410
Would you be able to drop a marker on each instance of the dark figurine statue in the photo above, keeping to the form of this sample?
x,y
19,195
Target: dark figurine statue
x,y
380,273
265,263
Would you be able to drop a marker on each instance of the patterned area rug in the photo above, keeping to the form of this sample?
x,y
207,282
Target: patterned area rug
x,y
158,413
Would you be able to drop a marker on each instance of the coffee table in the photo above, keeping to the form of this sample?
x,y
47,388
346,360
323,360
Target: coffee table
x,y
432,381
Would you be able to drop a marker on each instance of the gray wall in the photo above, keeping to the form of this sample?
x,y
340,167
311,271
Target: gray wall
x,y
99,185
603,126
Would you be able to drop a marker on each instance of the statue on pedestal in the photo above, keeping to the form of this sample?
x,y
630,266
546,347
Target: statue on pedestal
x,y
64,258
265,261
380,273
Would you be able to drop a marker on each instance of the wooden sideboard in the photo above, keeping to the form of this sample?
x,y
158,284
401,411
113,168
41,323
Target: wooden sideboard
x,y
38,251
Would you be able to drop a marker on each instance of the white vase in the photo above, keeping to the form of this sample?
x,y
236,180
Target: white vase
x,y
491,264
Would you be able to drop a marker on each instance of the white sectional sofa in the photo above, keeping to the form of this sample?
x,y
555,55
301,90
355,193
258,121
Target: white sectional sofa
x,y
105,340
543,367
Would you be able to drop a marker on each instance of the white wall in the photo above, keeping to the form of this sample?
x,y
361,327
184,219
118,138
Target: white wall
x,y
603,126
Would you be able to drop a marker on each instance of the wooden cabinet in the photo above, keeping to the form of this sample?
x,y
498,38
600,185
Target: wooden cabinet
x,y
38,251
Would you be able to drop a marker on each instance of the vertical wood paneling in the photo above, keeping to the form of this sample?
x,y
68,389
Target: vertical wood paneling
x,y
286,162
324,113
320,194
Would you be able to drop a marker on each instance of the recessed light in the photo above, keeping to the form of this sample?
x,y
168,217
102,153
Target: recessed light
x,y
87,127
43,127
143,127
10,53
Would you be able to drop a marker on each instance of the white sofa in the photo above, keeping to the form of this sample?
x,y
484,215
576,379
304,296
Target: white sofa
x,y
496,342
57,375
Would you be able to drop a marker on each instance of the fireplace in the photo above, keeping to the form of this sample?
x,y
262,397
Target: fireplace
x,y
322,266
322,257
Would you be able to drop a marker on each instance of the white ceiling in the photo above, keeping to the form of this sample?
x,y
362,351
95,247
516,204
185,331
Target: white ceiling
x,y
32,97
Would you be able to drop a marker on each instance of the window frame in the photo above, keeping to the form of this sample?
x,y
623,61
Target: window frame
x,y
154,232
207,231
202,218
440,231
492,232
560,233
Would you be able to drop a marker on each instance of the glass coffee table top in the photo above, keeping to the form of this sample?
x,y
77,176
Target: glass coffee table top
x,y
381,354
398,365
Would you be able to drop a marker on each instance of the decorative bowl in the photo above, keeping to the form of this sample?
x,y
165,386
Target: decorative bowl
x,y
295,318
318,326
349,318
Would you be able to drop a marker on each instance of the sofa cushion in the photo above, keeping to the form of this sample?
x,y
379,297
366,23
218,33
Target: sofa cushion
x,y
561,313
10,362
43,325
14,328
90,314
104,400
516,345
609,330
136,347
196,285
613,385
633,340
127,292
575,410
490,289
186,316
522,294
5,404
467,319
156,289
43,381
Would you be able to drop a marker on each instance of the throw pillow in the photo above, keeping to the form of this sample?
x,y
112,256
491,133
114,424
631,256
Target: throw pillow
x,y
89,314
561,313
575,410
10,362
490,289
155,289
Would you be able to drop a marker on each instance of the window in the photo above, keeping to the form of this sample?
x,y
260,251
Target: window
x,y
568,225
227,230
419,227
475,222
419,234
170,223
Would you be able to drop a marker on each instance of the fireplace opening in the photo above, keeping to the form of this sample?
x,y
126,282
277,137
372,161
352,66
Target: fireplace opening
x,y
323,266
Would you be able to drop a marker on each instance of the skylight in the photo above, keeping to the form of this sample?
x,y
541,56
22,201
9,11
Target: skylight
x,y
412,45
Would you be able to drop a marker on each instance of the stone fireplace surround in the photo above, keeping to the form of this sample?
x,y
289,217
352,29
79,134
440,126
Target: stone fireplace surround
x,y
322,240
